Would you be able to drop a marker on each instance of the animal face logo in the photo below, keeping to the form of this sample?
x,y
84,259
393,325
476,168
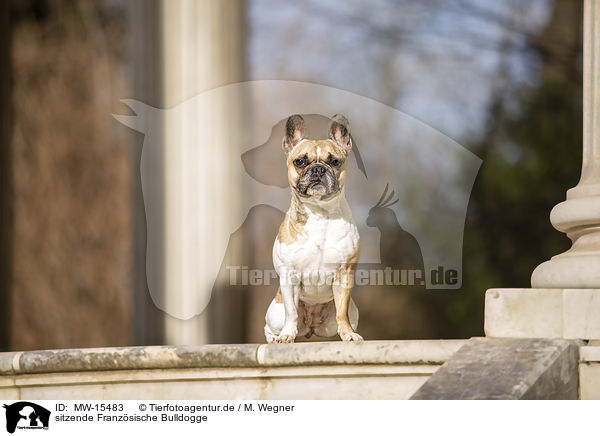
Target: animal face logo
x,y
25,414
207,162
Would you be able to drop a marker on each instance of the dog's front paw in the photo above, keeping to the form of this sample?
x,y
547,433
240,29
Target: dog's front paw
x,y
287,335
285,339
349,335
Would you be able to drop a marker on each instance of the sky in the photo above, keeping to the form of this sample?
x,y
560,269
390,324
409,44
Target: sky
x,y
438,61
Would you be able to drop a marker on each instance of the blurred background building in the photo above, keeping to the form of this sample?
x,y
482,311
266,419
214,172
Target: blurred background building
x,y
501,78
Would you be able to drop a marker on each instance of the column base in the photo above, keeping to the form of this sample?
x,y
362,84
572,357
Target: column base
x,y
568,271
542,313
577,268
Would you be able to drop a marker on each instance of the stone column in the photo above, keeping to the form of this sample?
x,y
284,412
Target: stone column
x,y
579,215
181,48
564,300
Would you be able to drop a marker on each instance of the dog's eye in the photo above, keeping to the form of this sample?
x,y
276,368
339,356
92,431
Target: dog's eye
x,y
335,162
300,163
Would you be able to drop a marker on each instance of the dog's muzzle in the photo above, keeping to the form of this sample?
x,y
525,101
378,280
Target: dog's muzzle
x,y
317,171
318,179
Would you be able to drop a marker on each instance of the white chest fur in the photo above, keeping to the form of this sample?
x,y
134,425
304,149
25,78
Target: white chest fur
x,y
327,242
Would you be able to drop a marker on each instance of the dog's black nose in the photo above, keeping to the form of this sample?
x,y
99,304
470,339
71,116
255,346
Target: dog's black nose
x,y
318,170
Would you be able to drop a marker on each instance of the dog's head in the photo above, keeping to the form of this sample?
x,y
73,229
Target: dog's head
x,y
317,167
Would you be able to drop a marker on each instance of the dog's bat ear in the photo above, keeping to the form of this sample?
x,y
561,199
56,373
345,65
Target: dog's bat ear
x,y
294,132
339,131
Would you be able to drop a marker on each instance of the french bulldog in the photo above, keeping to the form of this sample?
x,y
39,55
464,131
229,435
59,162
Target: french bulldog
x,y
317,246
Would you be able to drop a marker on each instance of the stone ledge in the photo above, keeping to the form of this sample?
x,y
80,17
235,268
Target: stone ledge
x,y
423,352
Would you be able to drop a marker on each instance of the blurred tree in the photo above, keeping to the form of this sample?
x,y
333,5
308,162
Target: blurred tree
x,y
70,245
531,152
6,191
512,67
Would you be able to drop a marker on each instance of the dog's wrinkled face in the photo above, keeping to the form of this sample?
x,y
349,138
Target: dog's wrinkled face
x,y
317,168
